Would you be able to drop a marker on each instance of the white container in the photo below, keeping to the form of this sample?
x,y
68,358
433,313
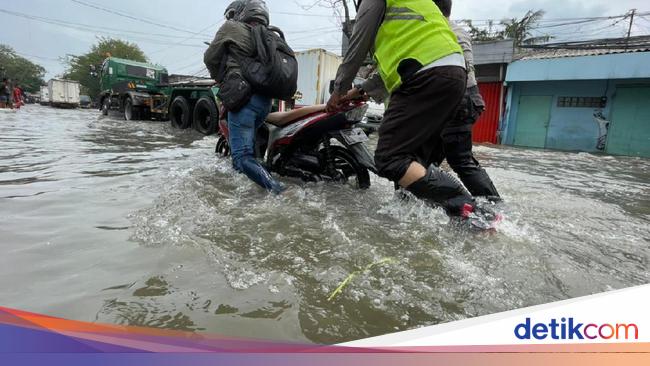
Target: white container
x,y
63,93
316,68
45,95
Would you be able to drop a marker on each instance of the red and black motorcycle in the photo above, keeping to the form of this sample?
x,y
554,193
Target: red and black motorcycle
x,y
318,147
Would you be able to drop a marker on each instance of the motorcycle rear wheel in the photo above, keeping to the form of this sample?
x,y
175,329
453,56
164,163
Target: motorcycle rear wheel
x,y
348,167
223,148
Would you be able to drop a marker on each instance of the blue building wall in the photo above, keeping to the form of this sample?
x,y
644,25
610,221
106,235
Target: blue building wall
x,y
572,129
569,128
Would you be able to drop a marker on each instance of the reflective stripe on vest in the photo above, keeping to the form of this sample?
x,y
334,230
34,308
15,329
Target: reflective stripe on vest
x,y
401,14
412,29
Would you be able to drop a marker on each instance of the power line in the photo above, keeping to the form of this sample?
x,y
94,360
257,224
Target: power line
x,y
85,26
188,38
38,57
306,14
128,16
89,29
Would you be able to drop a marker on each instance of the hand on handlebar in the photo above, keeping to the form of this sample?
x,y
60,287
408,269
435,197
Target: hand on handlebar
x,y
334,103
353,94
337,102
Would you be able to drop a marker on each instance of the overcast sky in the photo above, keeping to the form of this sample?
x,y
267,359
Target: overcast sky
x,y
176,47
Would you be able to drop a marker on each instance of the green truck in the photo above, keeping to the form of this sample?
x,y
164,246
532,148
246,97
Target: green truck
x,y
141,91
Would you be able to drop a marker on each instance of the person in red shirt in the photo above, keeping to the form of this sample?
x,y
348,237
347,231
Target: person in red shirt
x,y
18,97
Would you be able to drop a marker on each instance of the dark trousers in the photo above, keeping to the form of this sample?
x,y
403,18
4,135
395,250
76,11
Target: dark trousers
x,y
456,147
416,115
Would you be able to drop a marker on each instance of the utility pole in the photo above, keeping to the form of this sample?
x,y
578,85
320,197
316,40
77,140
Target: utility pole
x,y
629,29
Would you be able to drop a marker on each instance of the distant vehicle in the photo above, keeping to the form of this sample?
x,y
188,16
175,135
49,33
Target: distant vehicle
x,y
63,93
373,118
141,91
133,88
85,101
29,98
45,95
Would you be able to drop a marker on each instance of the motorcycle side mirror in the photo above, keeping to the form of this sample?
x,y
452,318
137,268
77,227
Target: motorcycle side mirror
x,y
93,71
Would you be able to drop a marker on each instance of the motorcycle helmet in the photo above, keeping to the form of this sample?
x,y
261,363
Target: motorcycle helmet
x,y
255,11
234,9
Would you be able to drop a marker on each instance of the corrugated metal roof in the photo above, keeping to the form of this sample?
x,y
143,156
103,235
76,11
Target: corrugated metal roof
x,y
607,65
561,53
493,52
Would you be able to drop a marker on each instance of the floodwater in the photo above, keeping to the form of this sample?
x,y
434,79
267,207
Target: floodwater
x,y
136,223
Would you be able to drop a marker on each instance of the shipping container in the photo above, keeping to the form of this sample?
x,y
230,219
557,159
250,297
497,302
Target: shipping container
x,y
63,93
45,95
316,68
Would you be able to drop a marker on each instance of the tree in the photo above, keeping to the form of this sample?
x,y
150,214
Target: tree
x,y
482,35
19,69
79,66
521,30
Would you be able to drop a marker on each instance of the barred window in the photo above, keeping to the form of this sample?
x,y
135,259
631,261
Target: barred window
x,y
582,102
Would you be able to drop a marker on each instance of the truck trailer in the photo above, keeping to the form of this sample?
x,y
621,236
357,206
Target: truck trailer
x,y
45,95
141,91
63,93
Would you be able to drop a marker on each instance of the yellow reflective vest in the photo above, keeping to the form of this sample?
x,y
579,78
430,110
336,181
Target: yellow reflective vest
x,y
412,29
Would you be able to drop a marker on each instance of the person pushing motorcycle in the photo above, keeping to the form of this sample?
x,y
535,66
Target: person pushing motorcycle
x,y
422,66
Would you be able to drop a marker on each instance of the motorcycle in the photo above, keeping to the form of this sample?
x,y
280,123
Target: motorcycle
x,y
318,147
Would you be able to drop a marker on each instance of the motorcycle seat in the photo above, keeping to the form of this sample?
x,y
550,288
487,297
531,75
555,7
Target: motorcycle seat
x,y
282,119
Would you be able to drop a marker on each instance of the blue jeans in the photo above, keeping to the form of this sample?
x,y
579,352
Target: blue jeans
x,y
243,125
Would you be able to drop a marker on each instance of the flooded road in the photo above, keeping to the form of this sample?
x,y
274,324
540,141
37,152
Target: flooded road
x,y
137,223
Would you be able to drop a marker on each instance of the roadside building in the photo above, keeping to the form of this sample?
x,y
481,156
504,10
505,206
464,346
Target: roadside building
x,y
491,61
583,99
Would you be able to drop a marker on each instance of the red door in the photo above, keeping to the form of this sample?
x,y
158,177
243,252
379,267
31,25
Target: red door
x,y
485,129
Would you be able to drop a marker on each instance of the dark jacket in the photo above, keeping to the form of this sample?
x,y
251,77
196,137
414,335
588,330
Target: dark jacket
x,y
233,40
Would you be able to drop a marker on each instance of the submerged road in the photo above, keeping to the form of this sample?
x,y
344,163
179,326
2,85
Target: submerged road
x,y
137,223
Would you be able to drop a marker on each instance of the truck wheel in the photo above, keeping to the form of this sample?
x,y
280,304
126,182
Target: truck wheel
x,y
179,113
130,112
206,116
145,114
105,107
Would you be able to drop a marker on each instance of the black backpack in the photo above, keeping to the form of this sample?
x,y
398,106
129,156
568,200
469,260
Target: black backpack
x,y
273,71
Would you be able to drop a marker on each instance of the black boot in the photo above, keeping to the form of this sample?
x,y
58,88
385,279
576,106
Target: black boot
x,y
439,188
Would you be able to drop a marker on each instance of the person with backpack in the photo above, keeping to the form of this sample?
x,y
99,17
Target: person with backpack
x,y
422,66
228,59
456,137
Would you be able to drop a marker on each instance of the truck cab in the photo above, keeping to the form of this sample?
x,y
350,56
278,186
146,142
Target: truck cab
x,y
136,89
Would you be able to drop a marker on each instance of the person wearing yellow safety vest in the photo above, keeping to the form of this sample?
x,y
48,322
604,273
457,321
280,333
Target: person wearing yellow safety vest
x,y
422,66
